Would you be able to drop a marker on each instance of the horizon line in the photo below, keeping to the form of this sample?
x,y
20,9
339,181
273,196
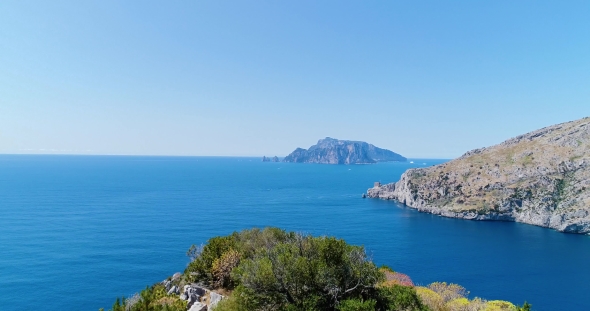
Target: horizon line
x,y
178,156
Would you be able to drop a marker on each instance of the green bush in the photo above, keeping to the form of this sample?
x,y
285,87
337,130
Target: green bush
x,y
275,270
399,297
357,305
201,268
272,269
150,299
307,272
525,307
230,304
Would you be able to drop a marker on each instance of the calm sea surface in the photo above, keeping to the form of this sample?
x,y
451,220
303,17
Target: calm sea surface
x,y
78,231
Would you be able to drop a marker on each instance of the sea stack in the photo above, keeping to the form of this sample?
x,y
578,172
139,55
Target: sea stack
x,y
273,159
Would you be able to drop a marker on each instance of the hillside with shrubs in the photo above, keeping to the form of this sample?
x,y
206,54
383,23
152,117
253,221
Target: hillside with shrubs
x,y
272,269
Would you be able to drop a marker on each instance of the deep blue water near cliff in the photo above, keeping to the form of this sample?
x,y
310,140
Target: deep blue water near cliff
x,y
77,231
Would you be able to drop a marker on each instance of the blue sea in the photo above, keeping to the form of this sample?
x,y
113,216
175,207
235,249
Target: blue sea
x,y
78,231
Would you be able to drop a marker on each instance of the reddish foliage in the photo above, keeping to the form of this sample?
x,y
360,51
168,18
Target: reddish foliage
x,y
398,278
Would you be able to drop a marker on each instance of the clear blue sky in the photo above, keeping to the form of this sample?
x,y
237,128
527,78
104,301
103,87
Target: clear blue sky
x,y
422,78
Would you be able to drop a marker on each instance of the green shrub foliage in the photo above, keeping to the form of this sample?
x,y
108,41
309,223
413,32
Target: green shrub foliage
x,y
399,297
357,305
307,273
272,269
152,298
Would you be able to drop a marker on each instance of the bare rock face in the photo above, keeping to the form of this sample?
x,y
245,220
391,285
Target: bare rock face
x,y
173,290
198,306
214,299
192,293
334,151
540,178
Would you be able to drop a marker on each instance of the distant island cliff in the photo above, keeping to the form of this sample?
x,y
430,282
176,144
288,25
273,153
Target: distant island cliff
x,y
540,178
273,159
334,151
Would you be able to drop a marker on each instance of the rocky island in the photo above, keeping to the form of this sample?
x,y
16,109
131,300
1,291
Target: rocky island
x,y
540,178
334,151
273,159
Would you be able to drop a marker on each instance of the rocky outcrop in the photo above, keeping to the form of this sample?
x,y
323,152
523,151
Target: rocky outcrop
x,y
173,290
198,306
193,293
198,297
273,159
214,299
540,178
334,151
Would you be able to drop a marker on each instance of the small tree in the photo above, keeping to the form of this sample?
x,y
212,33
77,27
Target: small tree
x,y
222,268
318,271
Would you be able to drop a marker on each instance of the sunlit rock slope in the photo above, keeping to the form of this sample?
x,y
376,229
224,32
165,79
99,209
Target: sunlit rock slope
x,y
540,178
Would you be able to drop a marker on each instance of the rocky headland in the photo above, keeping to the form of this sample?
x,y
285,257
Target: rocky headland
x,y
334,151
541,178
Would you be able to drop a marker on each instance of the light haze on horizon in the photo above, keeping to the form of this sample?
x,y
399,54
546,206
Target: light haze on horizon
x,y
426,79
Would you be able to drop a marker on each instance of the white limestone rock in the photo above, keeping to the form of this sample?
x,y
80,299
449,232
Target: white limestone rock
x,y
214,299
198,306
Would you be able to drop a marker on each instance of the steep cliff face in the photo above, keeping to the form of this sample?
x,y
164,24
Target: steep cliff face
x,y
540,178
333,151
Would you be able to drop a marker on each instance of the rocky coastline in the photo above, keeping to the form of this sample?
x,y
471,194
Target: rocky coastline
x,y
541,178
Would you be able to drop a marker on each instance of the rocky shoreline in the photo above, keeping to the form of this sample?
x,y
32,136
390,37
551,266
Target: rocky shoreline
x,y
541,178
